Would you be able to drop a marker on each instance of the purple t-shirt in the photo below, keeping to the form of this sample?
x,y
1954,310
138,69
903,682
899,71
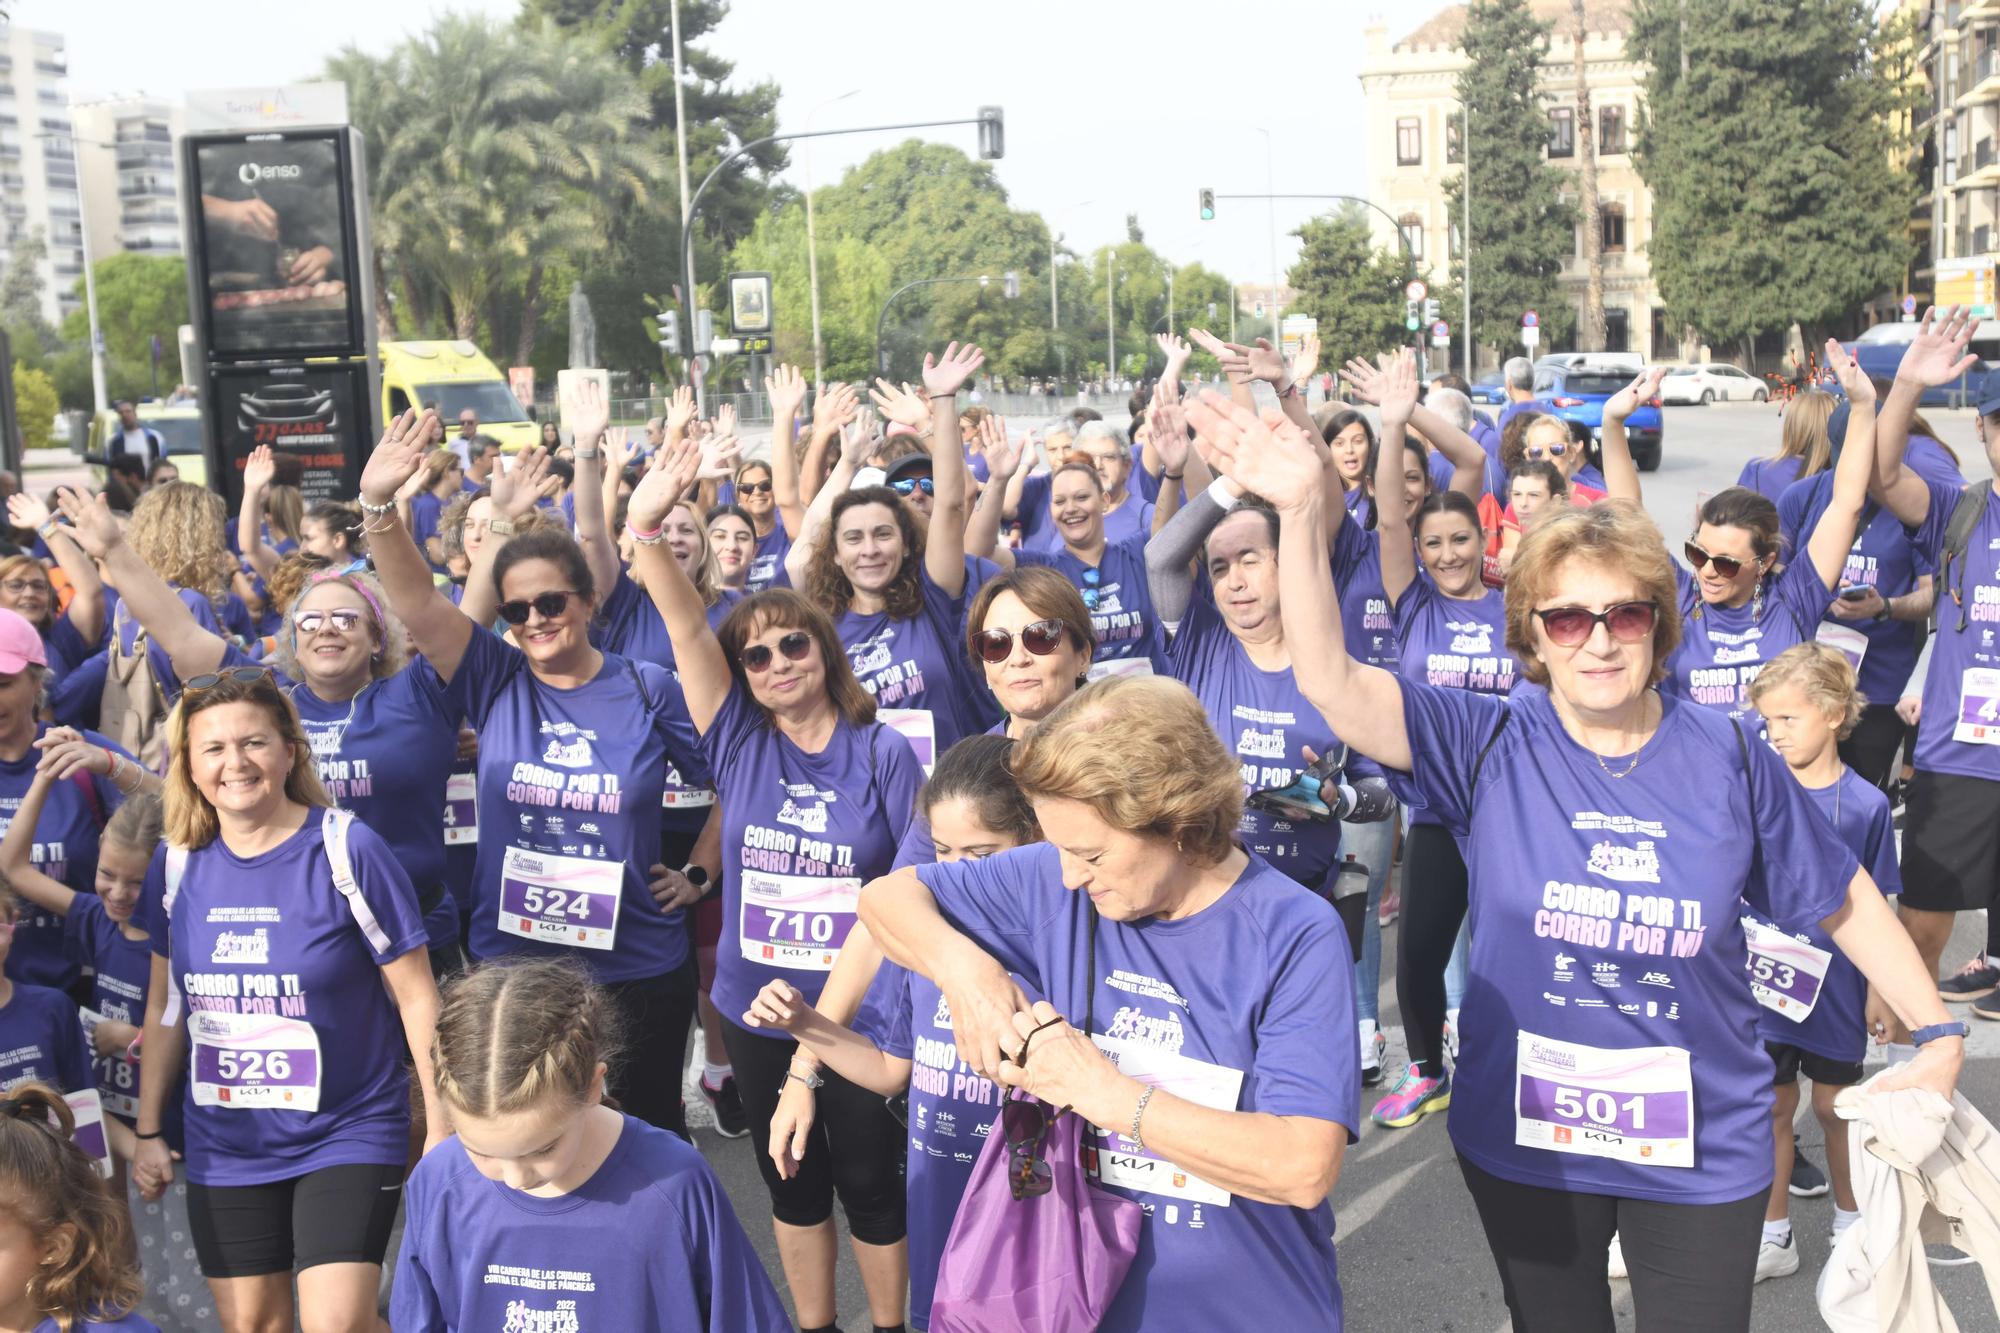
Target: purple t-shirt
x,y
1770,476
65,848
1266,723
649,1241
1453,644
424,512
810,830
570,785
270,938
1881,558
1723,648
1590,950
769,559
1265,1033
1118,596
122,969
41,1038
1836,1027
1959,731
919,663
1132,518
131,1323
1365,618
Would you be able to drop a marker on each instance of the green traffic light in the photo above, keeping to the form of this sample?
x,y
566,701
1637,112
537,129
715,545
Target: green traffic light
x,y
1411,324
1208,215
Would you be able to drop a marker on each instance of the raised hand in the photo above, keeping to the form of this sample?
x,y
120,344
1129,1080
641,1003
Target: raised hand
x,y
26,511
620,449
837,407
1168,426
725,419
670,476
260,469
948,374
400,452
787,388
91,520
516,489
900,405
680,410
1938,355
1396,387
583,402
1365,379
1003,456
1306,360
1232,357
721,455
1177,351
410,489
1851,378
1271,459
65,753
1643,388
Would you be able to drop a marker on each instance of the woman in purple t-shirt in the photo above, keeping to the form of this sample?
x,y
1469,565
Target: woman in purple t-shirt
x,y
1612,1079
1029,631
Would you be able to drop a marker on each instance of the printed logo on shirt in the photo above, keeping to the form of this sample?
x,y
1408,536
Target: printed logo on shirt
x,y
1749,652
873,654
1659,979
1254,744
945,1126
1151,987
1564,964
251,948
1591,1002
243,915
809,819
1628,864
1557,1000
1605,975
1135,1024
982,1129
524,1318
942,1018
569,745
1473,638
1589,820
1632,1008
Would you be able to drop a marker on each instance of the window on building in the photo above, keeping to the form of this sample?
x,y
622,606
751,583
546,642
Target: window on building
x,y
1562,132
1409,141
1454,146
1611,227
1617,331
1412,228
1611,129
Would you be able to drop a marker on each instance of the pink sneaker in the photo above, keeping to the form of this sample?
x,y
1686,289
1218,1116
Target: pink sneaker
x,y
1415,1096
1390,907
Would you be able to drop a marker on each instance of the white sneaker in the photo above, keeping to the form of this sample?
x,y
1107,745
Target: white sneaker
x,y
1775,1260
1451,1034
1614,1264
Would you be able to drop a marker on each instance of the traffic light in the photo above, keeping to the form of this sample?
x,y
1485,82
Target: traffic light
x,y
992,134
1208,205
1011,284
1411,317
670,331
1431,310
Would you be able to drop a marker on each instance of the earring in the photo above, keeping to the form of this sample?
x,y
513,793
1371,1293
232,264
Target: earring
x,y
1757,601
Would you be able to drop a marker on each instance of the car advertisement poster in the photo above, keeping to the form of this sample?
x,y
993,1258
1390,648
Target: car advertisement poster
x,y
315,416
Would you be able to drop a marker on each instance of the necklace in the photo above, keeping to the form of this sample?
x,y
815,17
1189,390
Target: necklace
x,y
1636,754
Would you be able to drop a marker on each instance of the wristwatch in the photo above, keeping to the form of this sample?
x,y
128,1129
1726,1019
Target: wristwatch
x,y
812,1081
697,876
1924,1036
503,526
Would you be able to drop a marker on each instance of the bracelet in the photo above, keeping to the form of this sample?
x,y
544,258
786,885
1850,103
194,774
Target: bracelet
x,y
1138,1114
156,1134
935,396
376,510
1172,476
588,453
112,773
653,538
503,526
385,525
48,529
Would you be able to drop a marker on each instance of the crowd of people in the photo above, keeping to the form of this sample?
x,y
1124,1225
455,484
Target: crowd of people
x,y
381,860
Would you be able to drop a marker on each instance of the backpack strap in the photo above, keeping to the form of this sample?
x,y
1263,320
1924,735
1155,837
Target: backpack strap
x,y
1506,711
333,827
175,870
1965,517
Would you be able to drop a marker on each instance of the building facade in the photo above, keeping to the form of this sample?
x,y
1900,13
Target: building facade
x,y
1957,134
127,148
38,179
1413,155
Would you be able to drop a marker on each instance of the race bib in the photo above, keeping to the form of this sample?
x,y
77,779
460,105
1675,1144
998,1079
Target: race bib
x,y
1846,640
1978,707
677,795
87,1108
1120,1161
1122,666
1785,973
796,920
918,727
1633,1106
561,899
117,1077
251,1062
461,809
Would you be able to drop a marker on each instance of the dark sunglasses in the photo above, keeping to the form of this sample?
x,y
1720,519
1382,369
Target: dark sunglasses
x,y
1726,565
1554,451
1628,622
997,645
344,619
548,605
1026,1124
208,680
795,646
753,487
909,485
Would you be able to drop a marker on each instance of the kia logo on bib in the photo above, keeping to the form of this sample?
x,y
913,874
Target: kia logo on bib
x,y
250,173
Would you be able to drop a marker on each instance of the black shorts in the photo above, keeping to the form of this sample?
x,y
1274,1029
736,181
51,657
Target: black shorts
x,y
1794,1060
1951,843
336,1215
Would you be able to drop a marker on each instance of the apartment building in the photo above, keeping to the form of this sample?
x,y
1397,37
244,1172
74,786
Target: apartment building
x,y
38,178
127,145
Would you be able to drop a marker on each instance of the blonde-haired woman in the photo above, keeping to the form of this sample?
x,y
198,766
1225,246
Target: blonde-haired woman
x,y
1234,1090
288,971
444,481
1803,448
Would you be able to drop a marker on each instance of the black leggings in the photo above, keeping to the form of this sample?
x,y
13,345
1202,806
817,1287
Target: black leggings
x,y
855,1147
655,1013
335,1215
1870,749
1692,1264
1434,897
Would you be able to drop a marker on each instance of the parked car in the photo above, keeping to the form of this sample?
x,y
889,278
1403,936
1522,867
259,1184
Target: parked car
x,y
1489,389
1575,390
1712,382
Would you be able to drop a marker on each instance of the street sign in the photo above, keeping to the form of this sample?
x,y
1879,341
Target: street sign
x,y
1416,291
1909,305
1441,330
1531,336
1531,320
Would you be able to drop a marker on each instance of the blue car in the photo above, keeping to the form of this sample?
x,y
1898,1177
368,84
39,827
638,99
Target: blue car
x,y
1489,389
1880,360
1576,393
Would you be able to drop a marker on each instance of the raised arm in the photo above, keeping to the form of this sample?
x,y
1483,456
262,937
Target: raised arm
x,y
1177,352
1394,386
1467,458
854,445
516,492
86,603
439,630
698,655
157,607
1936,357
620,451
1004,462
258,472
1621,474
1171,552
590,417
1833,535
1363,704
1234,358
951,481
786,388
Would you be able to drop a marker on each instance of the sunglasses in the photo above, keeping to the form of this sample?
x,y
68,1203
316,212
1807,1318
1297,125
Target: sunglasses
x,y
795,646
1535,452
344,619
1726,565
1628,622
910,485
1026,1125
208,680
997,645
548,605
754,487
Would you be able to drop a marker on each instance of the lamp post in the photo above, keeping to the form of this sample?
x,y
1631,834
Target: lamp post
x,y
1055,311
1110,313
1271,198
1012,288
99,396
812,250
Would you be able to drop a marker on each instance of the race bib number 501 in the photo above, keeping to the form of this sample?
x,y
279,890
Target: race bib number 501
x,y
1633,1105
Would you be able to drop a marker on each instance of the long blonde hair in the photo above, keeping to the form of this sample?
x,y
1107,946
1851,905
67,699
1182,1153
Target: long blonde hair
x,y
178,530
191,821
1805,436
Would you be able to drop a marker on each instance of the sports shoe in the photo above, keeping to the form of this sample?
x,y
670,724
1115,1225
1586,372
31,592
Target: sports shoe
x,y
730,1122
1373,1047
1614,1262
1975,981
1415,1096
1390,907
1775,1260
1808,1181
1987,1006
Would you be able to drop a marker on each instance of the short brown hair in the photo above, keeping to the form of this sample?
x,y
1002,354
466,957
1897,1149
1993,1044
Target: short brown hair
x,y
1616,534
511,1034
1141,752
782,606
1821,673
53,1187
191,820
1042,591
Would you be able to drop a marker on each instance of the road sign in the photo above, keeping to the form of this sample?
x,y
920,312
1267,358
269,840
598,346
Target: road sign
x,y
1531,336
1416,291
1531,320
1909,305
1441,330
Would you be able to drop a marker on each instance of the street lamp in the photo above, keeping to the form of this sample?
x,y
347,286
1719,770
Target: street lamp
x,y
100,397
1055,312
1011,285
812,249
1110,313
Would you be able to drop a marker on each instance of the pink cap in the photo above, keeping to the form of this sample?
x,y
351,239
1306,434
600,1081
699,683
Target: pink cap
x,y
20,643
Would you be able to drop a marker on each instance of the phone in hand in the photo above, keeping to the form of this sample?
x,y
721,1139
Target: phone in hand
x,y
1857,593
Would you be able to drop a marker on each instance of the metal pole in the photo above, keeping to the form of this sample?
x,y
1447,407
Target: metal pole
x,y
1271,203
812,252
882,317
1234,301
1055,312
1465,237
100,398
1170,299
687,212
1110,313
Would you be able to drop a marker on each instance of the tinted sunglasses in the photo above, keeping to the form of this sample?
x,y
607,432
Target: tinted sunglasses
x,y
1627,622
344,619
1536,452
997,645
1726,565
548,605
1026,1124
910,485
795,646
208,680
753,487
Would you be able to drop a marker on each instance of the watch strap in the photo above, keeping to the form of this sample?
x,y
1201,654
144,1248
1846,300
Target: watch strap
x,y
1955,1028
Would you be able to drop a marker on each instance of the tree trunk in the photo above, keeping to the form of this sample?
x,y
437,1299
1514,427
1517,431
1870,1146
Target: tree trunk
x,y
385,314
531,315
1591,333
417,298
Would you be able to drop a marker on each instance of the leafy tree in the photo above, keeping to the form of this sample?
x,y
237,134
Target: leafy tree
x,y
1351,286
1521,229
21,299
1766,157
35,405
139,298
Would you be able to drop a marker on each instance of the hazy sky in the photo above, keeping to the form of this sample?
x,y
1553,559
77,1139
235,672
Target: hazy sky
x,y
1113,106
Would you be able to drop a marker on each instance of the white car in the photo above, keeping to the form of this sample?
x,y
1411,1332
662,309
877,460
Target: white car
x,y
1714,382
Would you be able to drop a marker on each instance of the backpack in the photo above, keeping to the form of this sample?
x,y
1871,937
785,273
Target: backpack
x,y
133,708
1965,517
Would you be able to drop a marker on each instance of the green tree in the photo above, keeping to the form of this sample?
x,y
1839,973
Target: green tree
x,y
21,299
35,405
139,298
1521,229
1350,285
1769,162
